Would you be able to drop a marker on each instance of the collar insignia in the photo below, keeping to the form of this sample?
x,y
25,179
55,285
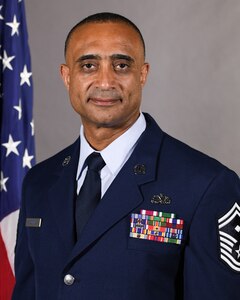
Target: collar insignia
x,y
66,161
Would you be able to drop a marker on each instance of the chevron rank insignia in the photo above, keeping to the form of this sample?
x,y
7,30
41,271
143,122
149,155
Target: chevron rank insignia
x,y
229,237
156,226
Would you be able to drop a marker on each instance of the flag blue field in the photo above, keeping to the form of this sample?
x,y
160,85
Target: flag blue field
x,y
17,129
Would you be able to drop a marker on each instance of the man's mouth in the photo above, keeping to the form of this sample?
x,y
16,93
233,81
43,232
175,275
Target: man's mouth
x,y
104,101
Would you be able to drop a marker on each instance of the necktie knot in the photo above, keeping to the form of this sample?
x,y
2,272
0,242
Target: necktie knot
x,y
95,162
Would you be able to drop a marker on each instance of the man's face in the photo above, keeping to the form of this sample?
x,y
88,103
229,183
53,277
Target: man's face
x,y
105,73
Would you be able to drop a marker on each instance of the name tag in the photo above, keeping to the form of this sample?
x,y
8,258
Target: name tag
x,y
33,222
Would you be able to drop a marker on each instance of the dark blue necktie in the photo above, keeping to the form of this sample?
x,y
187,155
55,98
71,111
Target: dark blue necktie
x,y
90,192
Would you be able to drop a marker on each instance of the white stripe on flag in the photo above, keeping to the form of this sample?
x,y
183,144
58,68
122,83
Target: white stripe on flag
x,y
8,230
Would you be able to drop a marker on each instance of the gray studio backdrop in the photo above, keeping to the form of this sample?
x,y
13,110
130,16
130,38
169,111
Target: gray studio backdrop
x,y
193,90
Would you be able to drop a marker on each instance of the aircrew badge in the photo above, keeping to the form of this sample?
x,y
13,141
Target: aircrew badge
x,y
229,237
156,226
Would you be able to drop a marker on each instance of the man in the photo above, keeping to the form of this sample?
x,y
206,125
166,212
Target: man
x,y
168,222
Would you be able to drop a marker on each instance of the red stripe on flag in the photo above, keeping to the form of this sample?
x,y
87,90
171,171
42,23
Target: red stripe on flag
x,y
7,279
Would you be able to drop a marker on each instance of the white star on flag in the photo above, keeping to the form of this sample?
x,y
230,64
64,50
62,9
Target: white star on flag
x,y
32,126
3,182
6,61
11,146
27,159
19,109
1,17
14,25
25,75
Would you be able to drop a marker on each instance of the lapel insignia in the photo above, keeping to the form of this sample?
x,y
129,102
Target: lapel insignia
x,y
33,222
229,237
139,169
161,199
156,226
66,161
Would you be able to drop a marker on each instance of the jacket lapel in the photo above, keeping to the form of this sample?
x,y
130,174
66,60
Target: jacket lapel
x,y
124,194
62,194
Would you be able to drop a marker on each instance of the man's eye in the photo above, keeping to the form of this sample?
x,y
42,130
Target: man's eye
x,y
88,66
121,66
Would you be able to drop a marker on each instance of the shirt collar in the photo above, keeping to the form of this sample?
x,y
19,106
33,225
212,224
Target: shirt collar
x,y
115,154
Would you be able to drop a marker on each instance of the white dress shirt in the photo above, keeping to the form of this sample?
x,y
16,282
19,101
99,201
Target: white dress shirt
x,y
115,155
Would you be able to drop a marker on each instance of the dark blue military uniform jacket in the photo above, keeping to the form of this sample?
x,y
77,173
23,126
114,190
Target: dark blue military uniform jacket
x,y
108,264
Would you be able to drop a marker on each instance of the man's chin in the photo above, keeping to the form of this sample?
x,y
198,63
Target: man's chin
x,y
105,122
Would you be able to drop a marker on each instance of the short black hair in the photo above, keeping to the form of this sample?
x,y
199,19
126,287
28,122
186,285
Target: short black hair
x,y
105,17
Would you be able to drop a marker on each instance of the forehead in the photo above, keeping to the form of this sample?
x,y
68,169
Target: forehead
x,y
105,37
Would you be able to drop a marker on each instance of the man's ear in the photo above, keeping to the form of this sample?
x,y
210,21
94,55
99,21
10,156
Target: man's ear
x,y
144,73
64,70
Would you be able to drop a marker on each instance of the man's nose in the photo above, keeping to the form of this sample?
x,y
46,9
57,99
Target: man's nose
x,y
106,77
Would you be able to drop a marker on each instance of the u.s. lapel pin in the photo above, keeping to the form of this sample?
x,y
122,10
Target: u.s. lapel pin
x,y
161,199
66,161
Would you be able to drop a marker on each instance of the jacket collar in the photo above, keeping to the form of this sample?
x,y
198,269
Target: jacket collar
x,y
62,193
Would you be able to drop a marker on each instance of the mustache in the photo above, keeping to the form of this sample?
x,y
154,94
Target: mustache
x,y
105,94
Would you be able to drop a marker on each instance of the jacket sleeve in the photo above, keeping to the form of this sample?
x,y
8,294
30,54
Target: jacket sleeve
x,y
212,255
24,268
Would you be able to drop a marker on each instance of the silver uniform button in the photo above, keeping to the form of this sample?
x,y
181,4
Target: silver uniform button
x,y
69,279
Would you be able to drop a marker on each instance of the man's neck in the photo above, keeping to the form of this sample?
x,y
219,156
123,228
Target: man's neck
x,y
100,138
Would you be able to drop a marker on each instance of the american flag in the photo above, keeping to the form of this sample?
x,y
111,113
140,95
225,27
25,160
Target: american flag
x,y
17,130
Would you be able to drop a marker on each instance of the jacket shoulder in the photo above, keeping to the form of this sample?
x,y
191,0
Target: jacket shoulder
x,y
53,164
185,157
